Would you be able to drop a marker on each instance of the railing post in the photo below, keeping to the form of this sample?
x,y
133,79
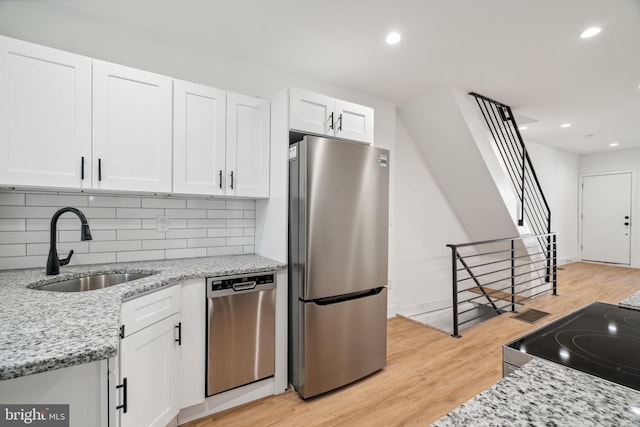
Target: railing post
x,y
513,277
454,276
524,166
555,266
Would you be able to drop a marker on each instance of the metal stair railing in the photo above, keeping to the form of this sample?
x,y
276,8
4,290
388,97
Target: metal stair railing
x,y
505,273
534,209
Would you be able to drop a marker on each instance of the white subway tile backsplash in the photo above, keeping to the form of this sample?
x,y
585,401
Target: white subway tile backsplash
x,y
186,233
225,232
164,244
115,246
240,223
186,213
63,248
12,224
139,213
185,253
9,263
59,200
206,242
94,258
123,228
12,199
98,235
206,204
219,213
114,202
12,250
164,203
115,224
250,249
8,237
139,256
241,204
225,250
91,213
139,234
206,223
237,241
27,212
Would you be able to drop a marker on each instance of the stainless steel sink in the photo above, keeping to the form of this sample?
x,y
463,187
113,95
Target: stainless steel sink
x,y
91,283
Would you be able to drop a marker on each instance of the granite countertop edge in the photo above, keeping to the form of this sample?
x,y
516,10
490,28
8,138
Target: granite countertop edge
x,y
546,393
632,302
41,331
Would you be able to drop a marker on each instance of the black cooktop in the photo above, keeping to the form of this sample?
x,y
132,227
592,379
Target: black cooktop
x,y
599,339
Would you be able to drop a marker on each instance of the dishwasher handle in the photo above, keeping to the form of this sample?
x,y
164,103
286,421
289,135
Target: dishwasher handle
x,y
244,286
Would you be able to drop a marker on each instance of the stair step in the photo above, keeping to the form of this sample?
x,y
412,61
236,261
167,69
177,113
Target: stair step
x,y
497,294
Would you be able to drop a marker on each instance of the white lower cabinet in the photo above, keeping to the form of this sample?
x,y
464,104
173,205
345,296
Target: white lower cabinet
x,y
147,394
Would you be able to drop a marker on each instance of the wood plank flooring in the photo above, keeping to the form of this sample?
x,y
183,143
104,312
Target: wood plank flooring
x,y
429,373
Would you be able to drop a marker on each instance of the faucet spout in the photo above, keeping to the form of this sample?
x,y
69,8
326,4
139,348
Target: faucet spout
x,y
53,262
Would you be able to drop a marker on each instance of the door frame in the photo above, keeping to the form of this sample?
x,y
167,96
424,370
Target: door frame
x,y
632,250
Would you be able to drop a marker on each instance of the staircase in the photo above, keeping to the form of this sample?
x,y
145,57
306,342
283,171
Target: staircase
x,y
476,153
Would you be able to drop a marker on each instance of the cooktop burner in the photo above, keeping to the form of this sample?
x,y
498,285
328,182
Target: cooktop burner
x,y
600,339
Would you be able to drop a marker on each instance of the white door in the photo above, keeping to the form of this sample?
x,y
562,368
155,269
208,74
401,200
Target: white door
x,y
354,122
248,146
312,113
192,351
606,218
148,361
45,116
131,129
199,122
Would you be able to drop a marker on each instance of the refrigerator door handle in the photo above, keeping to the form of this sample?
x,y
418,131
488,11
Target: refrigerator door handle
x,y
348,297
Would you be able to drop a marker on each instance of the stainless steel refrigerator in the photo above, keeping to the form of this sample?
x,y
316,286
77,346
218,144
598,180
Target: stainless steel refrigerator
x,y
338,239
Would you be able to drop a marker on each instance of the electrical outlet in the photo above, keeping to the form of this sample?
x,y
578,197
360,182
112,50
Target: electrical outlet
x,y
163,223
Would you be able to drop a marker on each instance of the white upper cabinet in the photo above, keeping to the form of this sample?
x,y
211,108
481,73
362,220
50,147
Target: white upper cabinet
x,y
322,115
199,139
132,123
248,146
45,116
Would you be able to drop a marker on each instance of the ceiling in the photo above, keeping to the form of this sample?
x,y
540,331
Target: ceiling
x,y
523,53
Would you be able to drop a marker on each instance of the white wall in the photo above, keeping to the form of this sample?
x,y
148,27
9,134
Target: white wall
x,y
424,223
558,173
616,161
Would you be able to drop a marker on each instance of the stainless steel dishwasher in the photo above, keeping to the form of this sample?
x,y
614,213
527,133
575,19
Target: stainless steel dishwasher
x,y
240,330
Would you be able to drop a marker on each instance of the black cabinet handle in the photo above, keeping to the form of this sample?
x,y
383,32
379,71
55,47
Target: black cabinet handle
x,y
123,386
82,168
331,124
232,180
99,169
179,328
220,175
340,122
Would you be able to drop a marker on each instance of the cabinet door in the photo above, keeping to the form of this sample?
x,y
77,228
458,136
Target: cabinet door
x,y
354,122
312,113
192,351
148,362
199,121
247,146
45,116
131,129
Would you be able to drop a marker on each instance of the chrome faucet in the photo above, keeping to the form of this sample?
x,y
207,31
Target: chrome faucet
x,y
53,263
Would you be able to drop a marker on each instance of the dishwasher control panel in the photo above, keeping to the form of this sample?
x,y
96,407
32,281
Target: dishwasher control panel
x,y
239,283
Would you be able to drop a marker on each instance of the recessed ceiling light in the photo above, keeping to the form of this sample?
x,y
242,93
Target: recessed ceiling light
x,y
590,32
393,38
522,128
565,125
613,144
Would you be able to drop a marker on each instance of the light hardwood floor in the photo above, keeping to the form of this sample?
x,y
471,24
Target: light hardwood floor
x,y
428,372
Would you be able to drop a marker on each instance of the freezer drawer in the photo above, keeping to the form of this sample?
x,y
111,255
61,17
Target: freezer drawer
x,y
341,342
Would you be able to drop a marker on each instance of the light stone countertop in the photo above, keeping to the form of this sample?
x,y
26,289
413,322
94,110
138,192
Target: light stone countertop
x,y
42,330
543,393
632,302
